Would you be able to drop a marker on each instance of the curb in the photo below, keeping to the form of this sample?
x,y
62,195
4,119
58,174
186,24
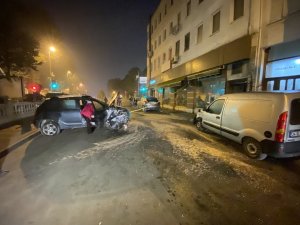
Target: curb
x,y
4,152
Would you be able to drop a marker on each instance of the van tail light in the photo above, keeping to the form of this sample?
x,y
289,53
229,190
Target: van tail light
x,y
281,127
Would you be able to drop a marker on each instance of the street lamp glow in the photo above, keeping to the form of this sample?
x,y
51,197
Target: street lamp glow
x,y
52,49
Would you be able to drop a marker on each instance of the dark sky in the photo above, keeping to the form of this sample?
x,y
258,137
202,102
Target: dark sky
x,y
107,37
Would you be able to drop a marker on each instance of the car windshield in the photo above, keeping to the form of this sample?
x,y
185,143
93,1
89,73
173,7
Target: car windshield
x,y
152,99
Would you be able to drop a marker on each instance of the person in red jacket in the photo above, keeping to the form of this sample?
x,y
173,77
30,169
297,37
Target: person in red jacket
x,y
88,114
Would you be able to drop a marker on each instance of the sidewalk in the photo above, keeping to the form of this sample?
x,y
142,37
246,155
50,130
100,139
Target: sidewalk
x,y
12,136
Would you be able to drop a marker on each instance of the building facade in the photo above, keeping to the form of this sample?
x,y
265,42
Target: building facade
x,y
200,49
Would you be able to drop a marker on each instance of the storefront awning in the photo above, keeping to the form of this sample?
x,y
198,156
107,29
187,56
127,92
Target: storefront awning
x,y
204,74
171,83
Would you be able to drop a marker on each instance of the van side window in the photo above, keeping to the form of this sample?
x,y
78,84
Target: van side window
x,y
216,107
295,112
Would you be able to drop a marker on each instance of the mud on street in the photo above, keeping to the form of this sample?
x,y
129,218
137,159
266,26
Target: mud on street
x,y
163,171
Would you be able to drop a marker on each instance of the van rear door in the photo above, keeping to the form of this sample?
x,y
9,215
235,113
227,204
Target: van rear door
x,y
293,127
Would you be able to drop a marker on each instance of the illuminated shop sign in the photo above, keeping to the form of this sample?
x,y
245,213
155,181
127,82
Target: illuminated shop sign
x,y
152,82
283,68
143,80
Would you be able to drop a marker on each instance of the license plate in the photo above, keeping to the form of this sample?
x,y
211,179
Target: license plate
x,y
294,133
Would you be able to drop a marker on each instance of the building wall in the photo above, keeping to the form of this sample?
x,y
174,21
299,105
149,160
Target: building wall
x,y
280,39
267,31
201,14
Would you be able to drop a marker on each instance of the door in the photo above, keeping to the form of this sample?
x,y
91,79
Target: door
x,y
99,110
212,116
70,114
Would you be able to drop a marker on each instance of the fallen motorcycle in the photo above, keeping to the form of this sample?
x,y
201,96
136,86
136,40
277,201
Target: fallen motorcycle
x,y
116,118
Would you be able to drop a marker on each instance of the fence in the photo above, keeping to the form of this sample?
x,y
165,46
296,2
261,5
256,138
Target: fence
x,y
16,111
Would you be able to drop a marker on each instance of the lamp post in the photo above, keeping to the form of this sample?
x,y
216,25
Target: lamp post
x,y
138,84
51,49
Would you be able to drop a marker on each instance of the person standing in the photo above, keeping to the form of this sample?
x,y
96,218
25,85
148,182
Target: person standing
x,y
88,112
119,99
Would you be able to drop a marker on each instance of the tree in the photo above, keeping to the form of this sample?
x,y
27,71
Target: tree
x,y
101,94
18,49
128,84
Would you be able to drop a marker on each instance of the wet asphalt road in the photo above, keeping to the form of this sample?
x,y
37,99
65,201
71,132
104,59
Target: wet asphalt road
x,y
162,171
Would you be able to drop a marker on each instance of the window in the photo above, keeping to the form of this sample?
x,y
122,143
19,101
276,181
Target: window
x,y
165,9
187,42
290,84
159,19
237,68
165,34
170,54
200,1
295,112
282,85
171,27
177,48
238,10
216,22
159,40
199,33
297,84
155,45
164,57
172,2
188,8
98,106
158,62
70,104
178,18
216,107
155,24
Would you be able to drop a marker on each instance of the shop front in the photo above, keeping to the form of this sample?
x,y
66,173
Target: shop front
x,y
283,67
283,75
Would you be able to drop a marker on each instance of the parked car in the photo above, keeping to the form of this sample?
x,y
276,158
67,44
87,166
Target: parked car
x,y
54,94
35,97
63,112
265,123
151,104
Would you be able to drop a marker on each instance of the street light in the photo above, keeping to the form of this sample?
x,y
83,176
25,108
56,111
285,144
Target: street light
x,y
51,49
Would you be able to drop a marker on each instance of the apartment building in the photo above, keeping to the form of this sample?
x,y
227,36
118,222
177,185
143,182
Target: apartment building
x,y
280,45
201,49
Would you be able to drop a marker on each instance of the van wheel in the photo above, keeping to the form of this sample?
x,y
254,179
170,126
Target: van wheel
x,y
50,128
199,125
253,149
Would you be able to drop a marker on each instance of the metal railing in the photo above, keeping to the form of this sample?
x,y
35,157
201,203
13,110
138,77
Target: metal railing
x,y
15,111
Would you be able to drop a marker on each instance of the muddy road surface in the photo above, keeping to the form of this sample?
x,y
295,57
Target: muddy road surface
x,y
162,171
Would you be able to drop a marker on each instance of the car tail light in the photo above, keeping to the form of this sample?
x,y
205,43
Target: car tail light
x,y
281,127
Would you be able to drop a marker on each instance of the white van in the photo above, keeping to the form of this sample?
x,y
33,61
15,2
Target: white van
x,y
265,123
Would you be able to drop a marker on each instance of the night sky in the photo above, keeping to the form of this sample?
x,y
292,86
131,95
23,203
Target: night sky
x,y
106,37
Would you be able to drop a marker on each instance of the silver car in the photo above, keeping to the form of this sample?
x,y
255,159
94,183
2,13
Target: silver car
x,y
151,104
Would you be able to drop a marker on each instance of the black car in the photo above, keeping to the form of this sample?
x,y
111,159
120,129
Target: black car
x,y
63,112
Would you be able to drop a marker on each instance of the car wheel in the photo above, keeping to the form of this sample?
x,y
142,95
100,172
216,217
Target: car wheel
x,y
145,110
50,128
199,125
253,149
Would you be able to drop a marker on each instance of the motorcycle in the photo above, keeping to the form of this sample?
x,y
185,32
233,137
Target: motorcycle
x,y
117,118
